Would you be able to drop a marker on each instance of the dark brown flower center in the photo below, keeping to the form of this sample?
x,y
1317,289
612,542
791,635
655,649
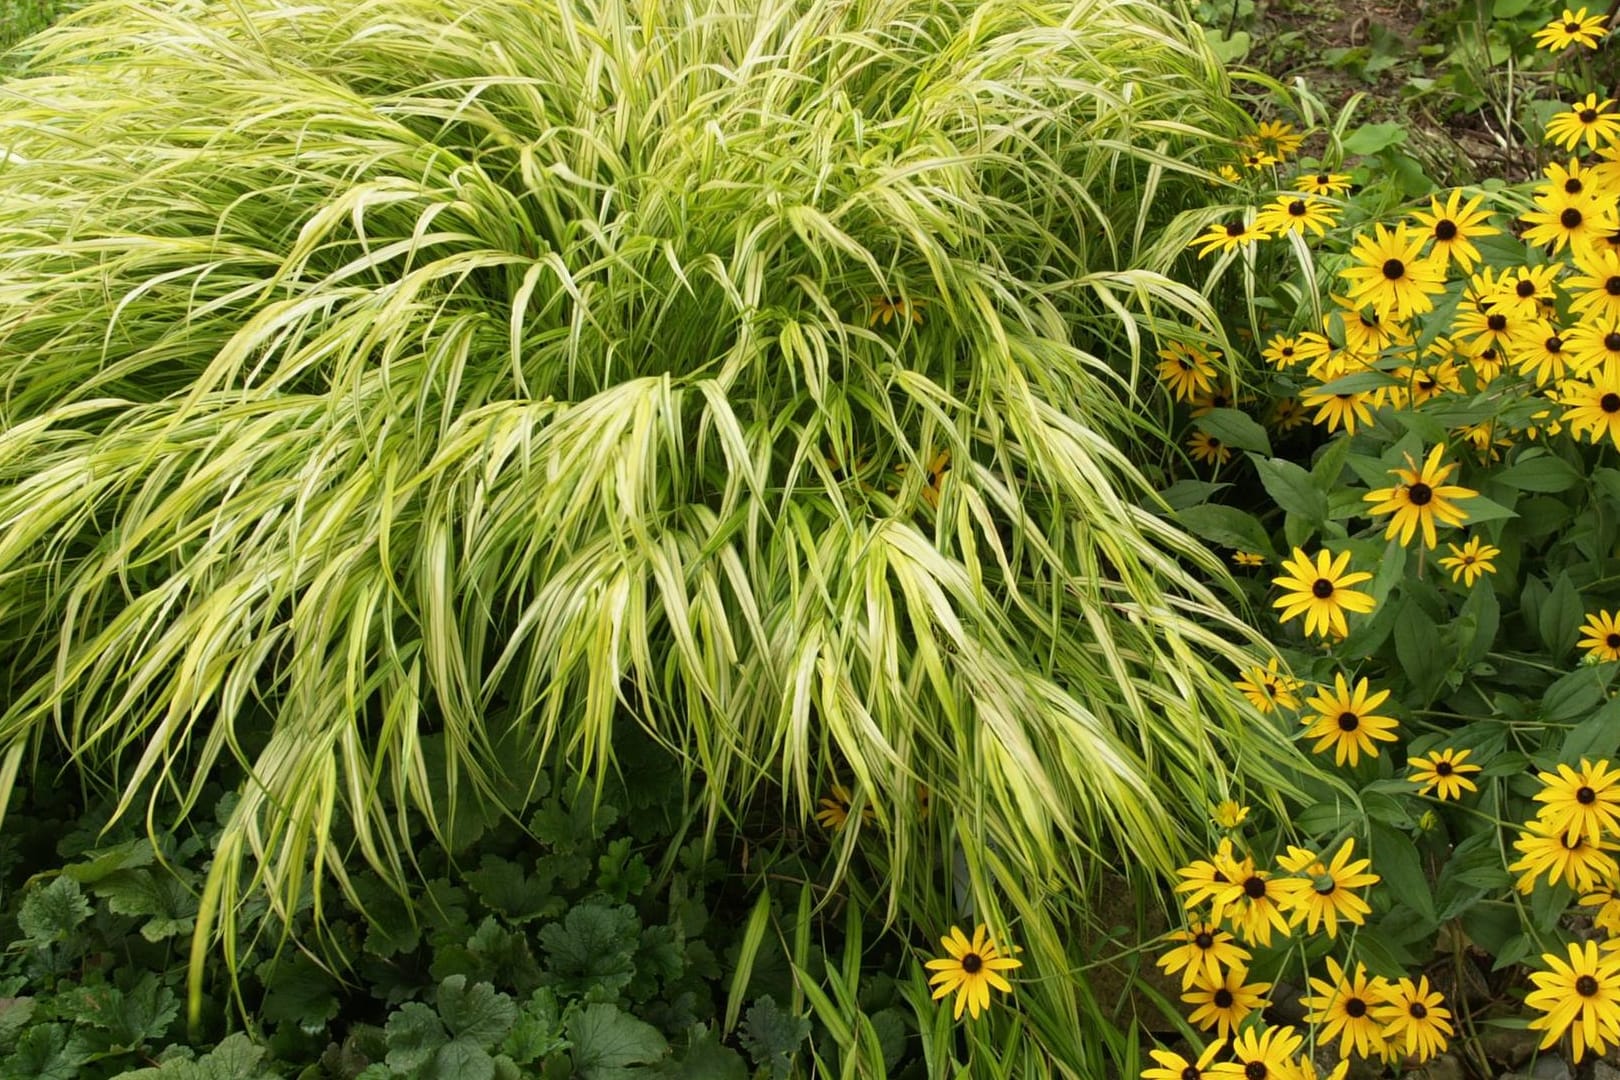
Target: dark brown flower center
x,y
1286,350
1553,344
1585,795
1223,998
1573,185
1349,721
1588,115
1612,641
1418,1010
1255,887
1611,341
1525,289
1571,218
1445,229
1256,1070
1572,28
1497,322
1321,588
1586,986
1236,228
1204,940
1191,1073
1609,403
1442,768
1296,208
1419,494
1394,269
1355,1008
1612,285
972,962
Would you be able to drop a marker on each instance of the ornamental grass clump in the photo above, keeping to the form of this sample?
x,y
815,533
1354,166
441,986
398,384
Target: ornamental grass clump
x,y
390,386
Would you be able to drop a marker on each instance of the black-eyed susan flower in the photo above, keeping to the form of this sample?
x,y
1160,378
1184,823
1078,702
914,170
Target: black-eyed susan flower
x,y
1216,397
1287,414
1296,213
1275,137
1487,438
972,969
1345,409
1262,1055
1592,405
1343,1006
1249,559
1415,1019
1284,352
1323,183
1345,721
1570,181
1269,687
1321,591
1602,638
1172,1066
1443,772
1573,858
1571,28
1471,561
1584,800
1206,448
1222,1003
1527,292
1476,330
1326,891
1595,289
1186,369
1234,234
1420,499
1422,385
1539,352
1256,159
1605,900
1576,221
886,309
1588,119
1452,226
1392,274
1205,948
1252,903
1366,331
1580,995
1229,813
834,812
1202,879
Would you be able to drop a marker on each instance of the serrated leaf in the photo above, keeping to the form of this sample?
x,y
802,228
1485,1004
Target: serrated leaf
x,y
44,1052
505,889
608,1043
235,1058
108,861
298,991
458,1059
705,1059
476,1014
771,1035
138,1018
414,1034
158,896
592,949
51,912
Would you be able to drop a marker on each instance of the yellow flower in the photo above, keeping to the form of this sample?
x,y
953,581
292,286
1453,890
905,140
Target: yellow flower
x,y
1323,896
1262,1055
1173,1066
1323,183
1223,1003
1540,352
1572,28
1248,558
1229,813
1602,638
1587,119
1451,227
1596,289
1321,592
885,309
1275,137
1203,879
1205,950
1208,449
1592,405
1229,237
1345,721
1392,274
1268,688
1443,772
1252,901
1581,997
1413,1011
1421,498
1471,561
1186,369
1576,220
834,812
1571,858
1343,1006
1296,214
1581,801
1607,901
971,970
1338,410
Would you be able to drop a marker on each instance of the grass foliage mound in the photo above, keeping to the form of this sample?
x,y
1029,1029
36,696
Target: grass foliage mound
x,y
390,385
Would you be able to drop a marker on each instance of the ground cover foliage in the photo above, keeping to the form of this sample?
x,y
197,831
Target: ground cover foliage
x,y
412,408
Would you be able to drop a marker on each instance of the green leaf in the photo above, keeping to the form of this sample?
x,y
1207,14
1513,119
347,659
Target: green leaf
x,y
1226,526
772,1036
51,912
1596,736
159,896
1398,863
1235,428
607,1043
130,1020
1185,493
298,991
1418,646
592,949
705,1059
459,1059
1560,618
537,1031
44,1052
108,861
477,1014
1292,488
1480,510
414,1036
235,1058
1546,472
504,888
